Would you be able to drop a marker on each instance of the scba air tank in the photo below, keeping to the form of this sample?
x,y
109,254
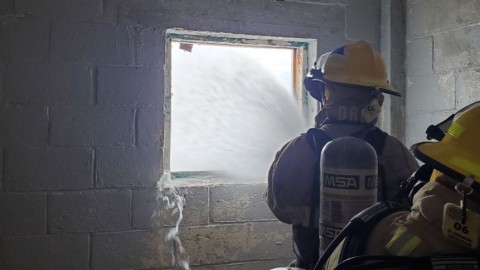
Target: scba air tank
x,y
348,184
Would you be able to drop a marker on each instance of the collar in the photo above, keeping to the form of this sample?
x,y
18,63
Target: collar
x,y
344,113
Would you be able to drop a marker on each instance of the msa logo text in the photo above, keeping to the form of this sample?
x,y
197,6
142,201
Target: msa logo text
x,y
371,182
329,232
341,181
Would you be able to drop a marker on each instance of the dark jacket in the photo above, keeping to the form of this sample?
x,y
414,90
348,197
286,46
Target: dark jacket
x,y
292,174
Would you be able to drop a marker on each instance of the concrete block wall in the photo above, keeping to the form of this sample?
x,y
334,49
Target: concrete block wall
x,y
81,132
442,61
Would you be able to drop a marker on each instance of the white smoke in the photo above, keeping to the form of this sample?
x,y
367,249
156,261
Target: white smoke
x,y
229,113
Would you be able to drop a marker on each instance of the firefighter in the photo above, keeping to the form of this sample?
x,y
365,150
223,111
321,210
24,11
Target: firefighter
x,y
442,227
349,83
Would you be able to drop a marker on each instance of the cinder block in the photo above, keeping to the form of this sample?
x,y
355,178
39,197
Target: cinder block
x,y
150,46
48,83
467,87
2,75
150,211
18,35
203,245
22,213
231,203
1,168
236,15
89,211
128,167
6,7
45,252
331,44
77,10
442,15
110,11
47,169
455,49
130,86
150,126
360,22
417,124
419,59
237,242
23,126
432,92
91,43
91,126
130,250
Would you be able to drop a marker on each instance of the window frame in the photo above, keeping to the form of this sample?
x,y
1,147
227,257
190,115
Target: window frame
x,y
305,51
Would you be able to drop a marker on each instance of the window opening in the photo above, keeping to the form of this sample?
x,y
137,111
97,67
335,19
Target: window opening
x,y
231,101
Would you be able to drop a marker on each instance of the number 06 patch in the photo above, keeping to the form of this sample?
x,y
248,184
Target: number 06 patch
x,y
452,227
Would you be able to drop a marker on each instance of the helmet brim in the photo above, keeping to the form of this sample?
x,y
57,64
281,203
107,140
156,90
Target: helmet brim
x,y
445,158
390,90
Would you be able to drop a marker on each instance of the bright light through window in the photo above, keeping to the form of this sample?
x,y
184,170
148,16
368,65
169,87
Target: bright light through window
x,y
232,107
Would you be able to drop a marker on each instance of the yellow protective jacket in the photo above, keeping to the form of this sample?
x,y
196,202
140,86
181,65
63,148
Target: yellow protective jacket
x,y
418,232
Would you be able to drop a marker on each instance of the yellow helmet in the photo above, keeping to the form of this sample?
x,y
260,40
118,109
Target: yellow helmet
x,y
355,65
458,152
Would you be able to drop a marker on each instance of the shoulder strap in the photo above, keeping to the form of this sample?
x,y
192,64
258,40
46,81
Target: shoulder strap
x,y
317,139
356,240
356,232
376,137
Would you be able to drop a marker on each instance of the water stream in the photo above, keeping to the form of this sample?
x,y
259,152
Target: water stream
x,y
172,203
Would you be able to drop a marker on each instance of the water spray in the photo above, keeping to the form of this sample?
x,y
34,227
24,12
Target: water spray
x,y
173,203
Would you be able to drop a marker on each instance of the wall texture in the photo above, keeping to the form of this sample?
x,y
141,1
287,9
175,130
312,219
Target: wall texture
x,y
442,64
81,127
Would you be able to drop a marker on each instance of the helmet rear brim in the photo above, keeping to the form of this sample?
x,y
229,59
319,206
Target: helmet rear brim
x,y
385,90
449,159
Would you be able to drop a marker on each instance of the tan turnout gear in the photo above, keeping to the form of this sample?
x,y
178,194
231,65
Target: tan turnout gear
x,y
445,215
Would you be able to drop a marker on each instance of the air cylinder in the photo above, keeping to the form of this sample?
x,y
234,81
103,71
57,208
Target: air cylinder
x,y
348,184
